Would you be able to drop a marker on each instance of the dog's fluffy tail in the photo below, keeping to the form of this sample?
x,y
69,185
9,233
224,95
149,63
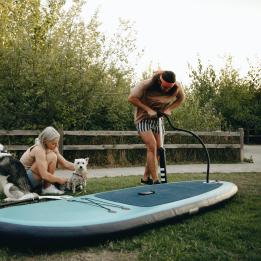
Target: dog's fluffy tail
x,y
11,191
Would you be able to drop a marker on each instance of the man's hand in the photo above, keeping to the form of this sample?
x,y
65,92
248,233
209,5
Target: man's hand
x,y
167,112
152,113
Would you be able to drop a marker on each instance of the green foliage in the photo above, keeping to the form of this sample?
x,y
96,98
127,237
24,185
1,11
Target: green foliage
x,y
192,116
204,84
57,70
234,100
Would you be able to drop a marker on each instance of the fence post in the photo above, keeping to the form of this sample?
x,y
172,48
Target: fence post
x,y
60,130
241,131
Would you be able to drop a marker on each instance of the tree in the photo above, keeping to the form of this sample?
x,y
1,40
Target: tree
x,y
235,99
204,83
57,70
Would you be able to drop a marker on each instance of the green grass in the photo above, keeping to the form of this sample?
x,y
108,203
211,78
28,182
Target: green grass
x,y
230,231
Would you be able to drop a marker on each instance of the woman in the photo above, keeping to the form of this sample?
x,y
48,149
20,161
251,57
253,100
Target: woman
x,y
160,93
41,160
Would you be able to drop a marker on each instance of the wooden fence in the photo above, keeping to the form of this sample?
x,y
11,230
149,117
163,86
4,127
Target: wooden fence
x,y
64,146
252,136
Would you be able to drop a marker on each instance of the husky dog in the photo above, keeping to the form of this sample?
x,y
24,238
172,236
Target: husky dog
x,y
78,179
13,177
3,151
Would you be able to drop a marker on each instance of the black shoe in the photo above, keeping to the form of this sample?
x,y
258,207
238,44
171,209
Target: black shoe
x,y
149,181
156,182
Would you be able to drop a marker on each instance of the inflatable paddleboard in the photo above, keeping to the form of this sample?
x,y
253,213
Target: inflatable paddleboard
x,y
111,212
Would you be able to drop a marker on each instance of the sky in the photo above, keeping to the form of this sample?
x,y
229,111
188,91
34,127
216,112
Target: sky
x,y
174,33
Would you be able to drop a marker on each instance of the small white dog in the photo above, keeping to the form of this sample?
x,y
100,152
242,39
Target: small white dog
x,y
79,177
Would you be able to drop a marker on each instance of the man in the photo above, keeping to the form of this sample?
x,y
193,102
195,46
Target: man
x,y
160,93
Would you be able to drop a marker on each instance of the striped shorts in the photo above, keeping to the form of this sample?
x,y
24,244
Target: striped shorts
x,y
149,125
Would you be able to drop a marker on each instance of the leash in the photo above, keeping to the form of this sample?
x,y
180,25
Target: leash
x,y
76,174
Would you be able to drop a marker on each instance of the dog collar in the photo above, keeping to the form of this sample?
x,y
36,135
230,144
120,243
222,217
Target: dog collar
x,y
76,174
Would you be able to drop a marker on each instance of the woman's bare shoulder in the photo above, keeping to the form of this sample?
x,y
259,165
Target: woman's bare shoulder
x,y
37,149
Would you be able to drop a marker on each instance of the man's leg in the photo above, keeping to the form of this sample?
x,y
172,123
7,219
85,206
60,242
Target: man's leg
x,y
151,165
157,138
147,172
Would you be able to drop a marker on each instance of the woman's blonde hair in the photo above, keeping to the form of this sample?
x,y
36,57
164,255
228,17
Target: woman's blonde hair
x,y
48,134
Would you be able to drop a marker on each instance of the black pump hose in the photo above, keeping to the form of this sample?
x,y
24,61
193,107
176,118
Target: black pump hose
x,y
160,114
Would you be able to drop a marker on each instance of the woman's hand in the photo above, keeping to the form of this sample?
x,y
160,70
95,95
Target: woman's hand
x,y
63,181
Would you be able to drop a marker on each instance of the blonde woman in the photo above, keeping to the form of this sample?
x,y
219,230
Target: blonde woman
x,y
41,159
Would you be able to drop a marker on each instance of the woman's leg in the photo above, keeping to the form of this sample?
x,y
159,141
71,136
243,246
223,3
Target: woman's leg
x,y
51,158
152,164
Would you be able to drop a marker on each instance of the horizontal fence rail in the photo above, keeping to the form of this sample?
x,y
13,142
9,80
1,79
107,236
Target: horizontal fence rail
x,y
115,133
71,147
142,146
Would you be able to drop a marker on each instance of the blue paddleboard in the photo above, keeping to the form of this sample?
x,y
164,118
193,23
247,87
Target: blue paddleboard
x,y
111,212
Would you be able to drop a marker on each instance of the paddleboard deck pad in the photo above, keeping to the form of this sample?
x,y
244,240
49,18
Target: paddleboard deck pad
x,y
111,212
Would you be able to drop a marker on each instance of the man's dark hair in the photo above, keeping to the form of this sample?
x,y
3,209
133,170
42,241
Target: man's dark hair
x,y
169,76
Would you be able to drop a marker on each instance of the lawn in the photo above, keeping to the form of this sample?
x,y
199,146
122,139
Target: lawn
x,y
230,231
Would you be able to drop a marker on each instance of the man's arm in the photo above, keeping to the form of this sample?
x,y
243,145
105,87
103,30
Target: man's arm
x,y
180,99
138,103
135,98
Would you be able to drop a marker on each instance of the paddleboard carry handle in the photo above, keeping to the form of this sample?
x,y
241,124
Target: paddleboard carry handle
x,y
146,193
